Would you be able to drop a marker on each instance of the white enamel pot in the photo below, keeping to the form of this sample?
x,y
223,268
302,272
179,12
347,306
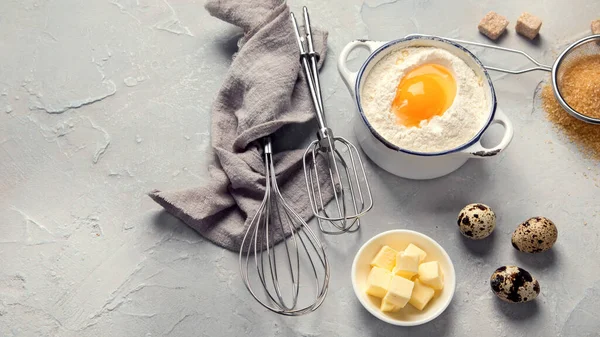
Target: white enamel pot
x,y
403,162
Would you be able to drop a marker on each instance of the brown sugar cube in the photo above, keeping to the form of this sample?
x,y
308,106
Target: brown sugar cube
x,y
596,26
492,25
528,25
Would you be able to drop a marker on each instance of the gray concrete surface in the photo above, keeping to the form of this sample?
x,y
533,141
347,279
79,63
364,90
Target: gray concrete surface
x,y
102,101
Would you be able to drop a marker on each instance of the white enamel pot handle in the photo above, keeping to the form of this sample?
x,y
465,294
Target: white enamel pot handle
x,y
349,76
478,151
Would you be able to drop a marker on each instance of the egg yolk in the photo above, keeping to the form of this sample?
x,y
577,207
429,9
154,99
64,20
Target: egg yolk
x,y
423,93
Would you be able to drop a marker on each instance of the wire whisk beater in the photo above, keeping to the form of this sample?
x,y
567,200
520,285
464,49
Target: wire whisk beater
x,y
273,274
332,165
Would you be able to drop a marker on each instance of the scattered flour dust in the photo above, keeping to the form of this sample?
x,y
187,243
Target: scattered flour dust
x,y
458,125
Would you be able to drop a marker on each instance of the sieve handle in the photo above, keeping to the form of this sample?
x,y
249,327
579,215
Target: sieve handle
x,y
538,65
479,151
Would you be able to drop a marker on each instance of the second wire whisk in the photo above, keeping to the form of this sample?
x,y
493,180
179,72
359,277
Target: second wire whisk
x,y
282,277
332,165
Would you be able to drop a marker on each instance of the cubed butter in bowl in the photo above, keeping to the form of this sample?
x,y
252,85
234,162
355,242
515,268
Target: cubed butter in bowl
x,y
412,290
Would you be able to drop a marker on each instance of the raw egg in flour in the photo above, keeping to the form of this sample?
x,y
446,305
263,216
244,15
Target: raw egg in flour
x,y
424,92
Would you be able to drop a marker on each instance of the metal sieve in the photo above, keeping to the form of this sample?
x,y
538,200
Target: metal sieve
x,y
589,45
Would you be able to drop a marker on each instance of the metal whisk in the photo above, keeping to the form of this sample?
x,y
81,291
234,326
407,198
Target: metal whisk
x,y
273,274
346,179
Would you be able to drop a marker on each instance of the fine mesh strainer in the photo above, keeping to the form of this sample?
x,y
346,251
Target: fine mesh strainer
x,y
586,46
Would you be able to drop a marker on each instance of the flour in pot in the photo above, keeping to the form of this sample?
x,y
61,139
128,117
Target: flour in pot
x,y
455,127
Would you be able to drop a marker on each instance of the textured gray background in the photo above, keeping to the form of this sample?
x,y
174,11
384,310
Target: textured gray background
x,y
102,101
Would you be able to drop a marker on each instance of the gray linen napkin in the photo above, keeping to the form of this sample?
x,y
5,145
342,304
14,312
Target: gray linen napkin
x,y
263,91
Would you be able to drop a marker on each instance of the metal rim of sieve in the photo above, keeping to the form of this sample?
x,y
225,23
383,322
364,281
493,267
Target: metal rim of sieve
x,y
555,85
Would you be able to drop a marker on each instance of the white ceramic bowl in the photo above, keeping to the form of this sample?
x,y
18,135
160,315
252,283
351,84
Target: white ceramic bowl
x,y
399,239
406,163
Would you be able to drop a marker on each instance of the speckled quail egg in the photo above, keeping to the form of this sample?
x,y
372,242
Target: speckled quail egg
x,y
513,284
535,235
476,221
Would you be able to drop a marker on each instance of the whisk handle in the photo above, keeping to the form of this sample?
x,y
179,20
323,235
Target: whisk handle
x,y
310,73
314,94
268,149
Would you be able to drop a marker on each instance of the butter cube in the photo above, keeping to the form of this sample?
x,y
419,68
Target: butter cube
x,y
414,250
387,306
407,265
430,274
399,291
386,258
421,295
378,282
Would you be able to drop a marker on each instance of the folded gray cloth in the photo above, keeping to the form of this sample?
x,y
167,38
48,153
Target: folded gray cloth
x,y
263,91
